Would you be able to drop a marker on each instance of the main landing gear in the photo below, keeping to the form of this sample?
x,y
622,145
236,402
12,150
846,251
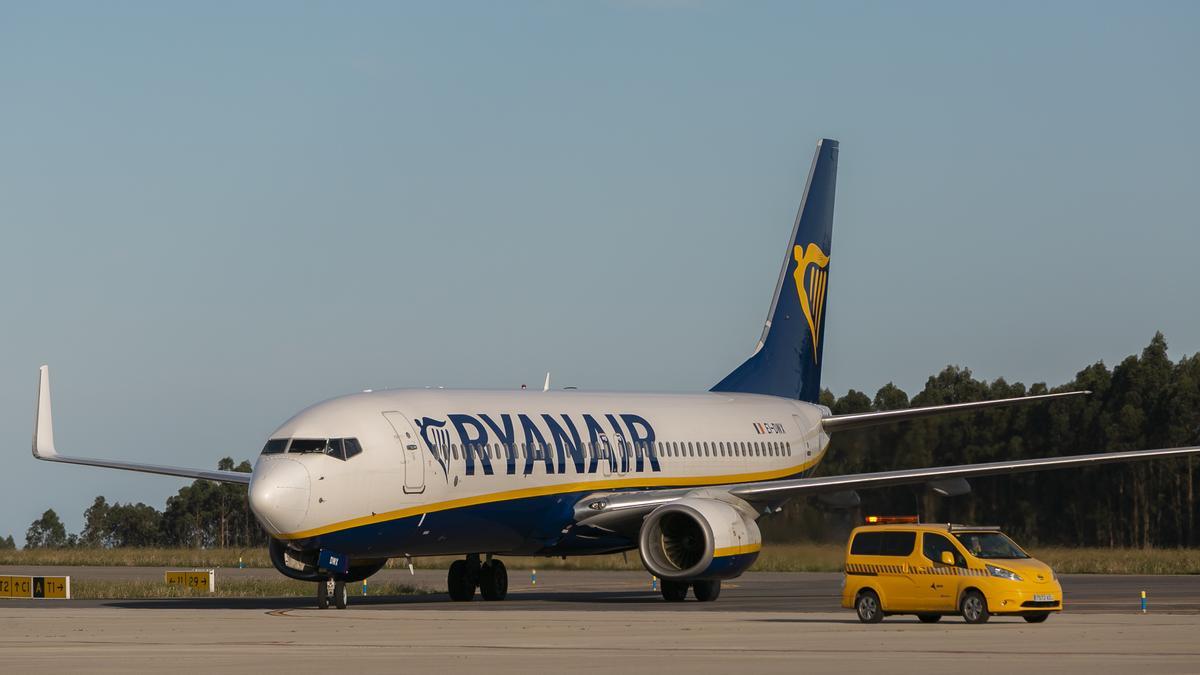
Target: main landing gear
x,y
676,591
331,590
489,576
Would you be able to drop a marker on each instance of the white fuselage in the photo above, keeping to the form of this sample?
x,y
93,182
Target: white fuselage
x,y
430,457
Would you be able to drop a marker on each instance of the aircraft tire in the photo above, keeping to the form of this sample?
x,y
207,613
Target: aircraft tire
x,y
322,594
674,591
459,582
339,594
707,591
493,580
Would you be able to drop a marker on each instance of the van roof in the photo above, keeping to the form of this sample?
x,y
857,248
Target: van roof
x,y
926,527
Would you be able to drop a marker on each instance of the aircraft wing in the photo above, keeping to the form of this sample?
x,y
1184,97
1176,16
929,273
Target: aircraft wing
x,y
833,423
43,447
623,511
783,489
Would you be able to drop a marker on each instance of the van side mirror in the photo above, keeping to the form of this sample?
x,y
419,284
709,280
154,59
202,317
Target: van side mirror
x,y
947,558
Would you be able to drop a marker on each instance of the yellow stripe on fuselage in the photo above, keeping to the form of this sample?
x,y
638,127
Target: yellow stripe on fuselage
x,y
542,491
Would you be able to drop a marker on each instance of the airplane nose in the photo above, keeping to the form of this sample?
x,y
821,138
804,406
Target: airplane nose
x,y
279,494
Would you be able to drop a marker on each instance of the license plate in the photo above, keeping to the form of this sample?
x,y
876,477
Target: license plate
x,y
1043,597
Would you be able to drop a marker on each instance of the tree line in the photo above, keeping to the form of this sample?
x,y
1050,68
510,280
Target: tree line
x,y
1146,401
202,515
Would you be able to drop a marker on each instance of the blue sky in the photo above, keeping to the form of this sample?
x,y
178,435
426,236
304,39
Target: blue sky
x,y
213,215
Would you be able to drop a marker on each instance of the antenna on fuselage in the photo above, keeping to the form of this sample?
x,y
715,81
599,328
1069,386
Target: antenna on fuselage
x,y
546,387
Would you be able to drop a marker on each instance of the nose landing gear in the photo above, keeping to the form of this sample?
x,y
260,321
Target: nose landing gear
x,y
331,589
490,577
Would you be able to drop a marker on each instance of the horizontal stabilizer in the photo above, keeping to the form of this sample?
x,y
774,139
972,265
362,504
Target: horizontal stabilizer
x,y
870,419
43,447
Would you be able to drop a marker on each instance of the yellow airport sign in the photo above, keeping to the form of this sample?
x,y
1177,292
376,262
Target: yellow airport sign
x,y
199,580
52,588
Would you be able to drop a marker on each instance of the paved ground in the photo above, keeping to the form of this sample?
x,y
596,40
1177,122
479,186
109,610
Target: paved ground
x,y
103,639
595,622
607,590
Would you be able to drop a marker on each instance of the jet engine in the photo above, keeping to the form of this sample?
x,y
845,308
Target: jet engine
x,y
302,565
699,538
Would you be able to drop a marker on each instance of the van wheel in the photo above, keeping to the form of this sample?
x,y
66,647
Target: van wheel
x,y
974,607
1037,618
868,607
929,618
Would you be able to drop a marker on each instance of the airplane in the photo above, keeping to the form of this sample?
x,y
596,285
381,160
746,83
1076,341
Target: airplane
x,y
349,483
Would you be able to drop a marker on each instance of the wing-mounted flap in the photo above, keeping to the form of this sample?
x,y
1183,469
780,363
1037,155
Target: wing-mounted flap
x,y
951,487
846,499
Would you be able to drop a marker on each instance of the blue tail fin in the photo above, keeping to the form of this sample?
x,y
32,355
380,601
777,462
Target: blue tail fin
x,y
787,361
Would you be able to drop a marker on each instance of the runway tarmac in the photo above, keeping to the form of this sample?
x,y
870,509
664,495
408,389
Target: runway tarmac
x,y
595,622
615,590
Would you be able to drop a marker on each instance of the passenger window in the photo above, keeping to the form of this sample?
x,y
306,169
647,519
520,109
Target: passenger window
x,y
275,446
351,446
932,546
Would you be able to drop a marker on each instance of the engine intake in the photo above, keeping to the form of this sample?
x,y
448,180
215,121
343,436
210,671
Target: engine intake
x,y
698,538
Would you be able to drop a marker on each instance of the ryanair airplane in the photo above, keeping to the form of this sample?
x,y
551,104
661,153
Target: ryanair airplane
x,y
347,484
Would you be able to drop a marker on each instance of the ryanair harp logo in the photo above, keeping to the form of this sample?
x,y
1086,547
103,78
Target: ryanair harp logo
x,y
812,275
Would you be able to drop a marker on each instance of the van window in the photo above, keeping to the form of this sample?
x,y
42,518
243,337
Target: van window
x,y
932,546
883,543
990,545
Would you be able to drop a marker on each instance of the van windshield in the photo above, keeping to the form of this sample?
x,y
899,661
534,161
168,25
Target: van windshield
x,y
990,545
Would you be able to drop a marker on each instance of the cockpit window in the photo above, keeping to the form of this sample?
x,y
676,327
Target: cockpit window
x,y
307,445
275,446
339,448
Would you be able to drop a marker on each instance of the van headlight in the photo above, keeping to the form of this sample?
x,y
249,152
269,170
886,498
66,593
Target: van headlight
x,y
1003,573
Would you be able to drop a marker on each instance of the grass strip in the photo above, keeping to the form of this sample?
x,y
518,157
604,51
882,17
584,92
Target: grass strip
x,y
790,557
225,588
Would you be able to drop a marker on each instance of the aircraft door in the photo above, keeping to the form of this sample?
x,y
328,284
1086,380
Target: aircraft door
x,y
414,464
607,455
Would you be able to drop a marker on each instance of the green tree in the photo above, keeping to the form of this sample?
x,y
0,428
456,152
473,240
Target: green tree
x,y
95,524
7,544
206,514
46,532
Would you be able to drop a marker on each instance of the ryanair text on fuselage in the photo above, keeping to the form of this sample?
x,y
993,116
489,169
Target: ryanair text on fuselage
x,y
623,441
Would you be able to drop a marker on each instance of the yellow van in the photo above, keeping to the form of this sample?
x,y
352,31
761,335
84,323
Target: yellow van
x,y
903,567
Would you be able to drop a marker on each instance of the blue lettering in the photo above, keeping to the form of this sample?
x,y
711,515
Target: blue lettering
x,y
643,440
536,443
572,443
620,446
507,438
472,445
